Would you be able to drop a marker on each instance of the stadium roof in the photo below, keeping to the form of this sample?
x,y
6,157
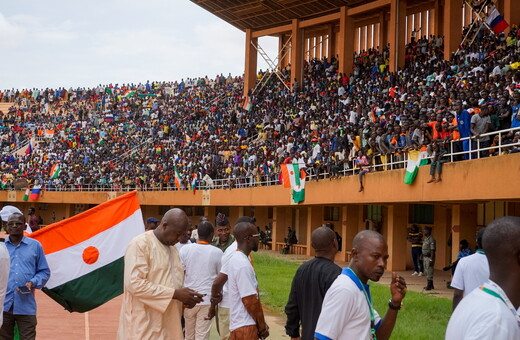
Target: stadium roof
x,y
263,14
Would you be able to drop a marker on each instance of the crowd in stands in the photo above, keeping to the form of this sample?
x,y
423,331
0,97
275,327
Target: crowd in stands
x,y
202,130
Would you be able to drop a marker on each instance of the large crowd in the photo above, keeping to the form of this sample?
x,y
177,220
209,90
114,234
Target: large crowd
x,y
204,131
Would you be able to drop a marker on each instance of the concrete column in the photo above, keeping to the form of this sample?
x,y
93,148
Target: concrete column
x,y
511,12
383,30
464,226
251,56
275,227
281,42
331,46
346,41
324,49
441,232
350,226
409,28
397,219
297,52
370,42
424,24
452,26
314,220
397,34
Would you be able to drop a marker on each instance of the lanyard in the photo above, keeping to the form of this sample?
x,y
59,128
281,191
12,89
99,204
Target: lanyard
x,y
480,251
370,307
202,242
499,296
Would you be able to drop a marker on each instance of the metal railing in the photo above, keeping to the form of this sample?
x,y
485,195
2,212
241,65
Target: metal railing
x,y
393,161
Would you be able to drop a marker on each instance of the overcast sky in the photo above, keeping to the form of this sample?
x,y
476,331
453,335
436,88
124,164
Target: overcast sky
x,y
85,43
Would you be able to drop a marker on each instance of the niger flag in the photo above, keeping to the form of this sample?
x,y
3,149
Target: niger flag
x,y
85,253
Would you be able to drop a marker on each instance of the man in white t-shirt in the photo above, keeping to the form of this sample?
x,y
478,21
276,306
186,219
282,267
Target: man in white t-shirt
x,y
201,262
219,290
4,275
471,272
491,311
347,311
246,314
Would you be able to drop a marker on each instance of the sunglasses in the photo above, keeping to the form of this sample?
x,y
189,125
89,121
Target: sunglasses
x,y
254,235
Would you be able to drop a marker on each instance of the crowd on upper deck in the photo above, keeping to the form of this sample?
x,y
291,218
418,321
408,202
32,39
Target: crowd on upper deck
x,y
139,135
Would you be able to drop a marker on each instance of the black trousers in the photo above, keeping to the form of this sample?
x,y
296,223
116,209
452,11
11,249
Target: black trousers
x,y
26,326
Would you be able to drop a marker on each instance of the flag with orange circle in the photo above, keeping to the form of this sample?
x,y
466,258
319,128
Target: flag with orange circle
x,y
86,253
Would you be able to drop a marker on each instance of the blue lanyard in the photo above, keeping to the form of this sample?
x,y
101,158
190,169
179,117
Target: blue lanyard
x,y
370,307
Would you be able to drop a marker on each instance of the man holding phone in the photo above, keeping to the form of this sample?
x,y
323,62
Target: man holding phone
x,y
28,271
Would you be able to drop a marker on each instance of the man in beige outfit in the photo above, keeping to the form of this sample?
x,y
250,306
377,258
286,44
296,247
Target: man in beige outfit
x,y
153,293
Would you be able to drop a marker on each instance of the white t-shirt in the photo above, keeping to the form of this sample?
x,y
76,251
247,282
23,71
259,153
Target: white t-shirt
x,y
226,303
179,245
345,313
242,282
484,317
201,264
471,272
4,276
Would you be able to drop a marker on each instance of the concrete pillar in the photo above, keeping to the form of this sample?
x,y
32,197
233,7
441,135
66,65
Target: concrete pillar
x,y
409,28
511,12
463,226
383,30
275,228
452,26
441,232
314,220
424,23
331,37
397,34
436,18
346,41
397,219
251,57
297,52
350,225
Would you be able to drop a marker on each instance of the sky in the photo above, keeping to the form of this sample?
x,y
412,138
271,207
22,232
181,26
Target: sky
x,y
56,43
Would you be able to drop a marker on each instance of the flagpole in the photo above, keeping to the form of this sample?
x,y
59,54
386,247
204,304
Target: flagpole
x,y
87,327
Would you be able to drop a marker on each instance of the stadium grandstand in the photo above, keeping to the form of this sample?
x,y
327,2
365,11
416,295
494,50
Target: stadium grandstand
x,y
359,91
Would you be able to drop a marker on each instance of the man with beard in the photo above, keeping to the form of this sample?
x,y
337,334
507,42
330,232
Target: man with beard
x,y
348,311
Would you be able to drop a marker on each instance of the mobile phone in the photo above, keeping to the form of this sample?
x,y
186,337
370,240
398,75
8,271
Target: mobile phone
x,y
24,290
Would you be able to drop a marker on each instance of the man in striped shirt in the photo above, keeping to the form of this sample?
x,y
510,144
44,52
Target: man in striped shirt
x,y
415,238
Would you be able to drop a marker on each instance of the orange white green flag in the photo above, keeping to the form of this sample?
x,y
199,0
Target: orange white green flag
x,y
294,177
86,253
177,178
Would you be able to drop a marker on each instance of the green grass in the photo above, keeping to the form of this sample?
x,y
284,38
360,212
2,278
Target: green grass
x,y
422,317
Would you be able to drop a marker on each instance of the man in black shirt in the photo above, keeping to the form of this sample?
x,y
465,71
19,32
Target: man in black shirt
x,y
311,282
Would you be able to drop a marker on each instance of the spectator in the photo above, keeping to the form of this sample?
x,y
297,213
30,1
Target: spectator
x,y
28,271
224,238
246,318
201,264
151,223
490,312
4,275
470,273
415,238
309,285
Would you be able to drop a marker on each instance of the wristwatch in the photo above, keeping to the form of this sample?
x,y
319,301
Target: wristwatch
x,y
391,306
